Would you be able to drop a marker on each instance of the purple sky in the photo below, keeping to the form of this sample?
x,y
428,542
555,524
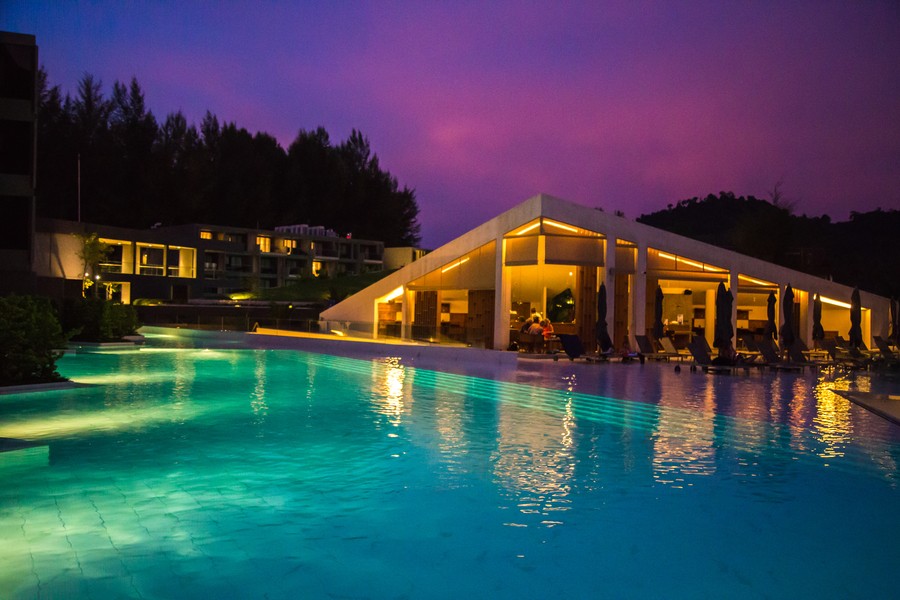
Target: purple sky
x,y
621,105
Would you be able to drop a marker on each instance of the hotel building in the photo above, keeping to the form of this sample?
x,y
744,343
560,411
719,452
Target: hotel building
x,y
477,288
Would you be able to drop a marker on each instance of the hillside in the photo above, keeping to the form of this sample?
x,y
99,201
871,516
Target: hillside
x,y
862,251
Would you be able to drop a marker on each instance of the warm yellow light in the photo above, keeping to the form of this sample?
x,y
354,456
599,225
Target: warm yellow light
x,y
337,333
691,263
454,265
560,226
395,294
756,281
529,228
833,302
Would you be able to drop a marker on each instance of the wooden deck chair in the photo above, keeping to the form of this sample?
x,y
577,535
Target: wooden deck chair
x,y
669,348
645,347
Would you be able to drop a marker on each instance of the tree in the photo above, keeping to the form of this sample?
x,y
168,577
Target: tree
x,y
135,171
132,165
30,337
92,252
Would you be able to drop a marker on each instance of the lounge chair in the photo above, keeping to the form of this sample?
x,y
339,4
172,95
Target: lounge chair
x,y
702,358
669,348
772,359
645,347
843,356
768,351
798,354
814,356
751,351
884,348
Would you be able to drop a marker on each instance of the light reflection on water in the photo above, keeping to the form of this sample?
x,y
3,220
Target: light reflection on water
x,y
376,466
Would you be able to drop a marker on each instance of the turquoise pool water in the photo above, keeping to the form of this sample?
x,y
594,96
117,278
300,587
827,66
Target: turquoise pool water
x,y
187,473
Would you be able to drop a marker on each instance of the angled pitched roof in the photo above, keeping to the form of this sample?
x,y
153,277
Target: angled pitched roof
x,y
614,227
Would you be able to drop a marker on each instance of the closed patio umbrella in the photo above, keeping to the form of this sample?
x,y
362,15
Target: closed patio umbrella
x,y
771,327
602,329
657,314
724,330
854,336
895,319
818,333
787,323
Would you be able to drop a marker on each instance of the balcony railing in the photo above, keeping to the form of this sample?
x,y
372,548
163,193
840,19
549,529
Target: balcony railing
x,y
152,270
110,267
177,271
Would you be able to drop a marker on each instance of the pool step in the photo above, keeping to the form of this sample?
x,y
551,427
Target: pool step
x,y
20,454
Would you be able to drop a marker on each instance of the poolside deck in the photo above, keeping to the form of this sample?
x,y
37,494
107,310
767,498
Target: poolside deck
x,y
883,405
416,353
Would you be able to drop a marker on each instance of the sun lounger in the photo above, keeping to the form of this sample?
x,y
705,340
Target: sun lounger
x,y
645,346
884,348
842,356
773,360
669,349
702,359
798,355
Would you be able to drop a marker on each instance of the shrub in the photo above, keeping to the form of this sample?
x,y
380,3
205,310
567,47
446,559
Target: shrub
x,y
30,337
98,320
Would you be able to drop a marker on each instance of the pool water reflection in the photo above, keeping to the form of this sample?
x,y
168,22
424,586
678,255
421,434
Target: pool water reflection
x,y
283,474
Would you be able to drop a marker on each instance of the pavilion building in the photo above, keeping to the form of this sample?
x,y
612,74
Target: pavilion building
x,y
552,255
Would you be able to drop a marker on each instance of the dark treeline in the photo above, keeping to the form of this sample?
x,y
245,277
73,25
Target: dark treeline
x,y
137,171
860,251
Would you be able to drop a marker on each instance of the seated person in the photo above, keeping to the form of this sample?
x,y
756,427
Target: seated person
x,y
627,354
526,323
548,329
727,356
535,328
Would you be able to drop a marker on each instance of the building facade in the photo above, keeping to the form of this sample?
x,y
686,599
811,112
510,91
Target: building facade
x,y
552,256
18,118
184,262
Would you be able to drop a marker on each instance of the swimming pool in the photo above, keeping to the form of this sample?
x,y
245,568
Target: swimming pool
x,y
191,473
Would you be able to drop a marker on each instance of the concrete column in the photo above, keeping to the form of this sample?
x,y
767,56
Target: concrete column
x,y
502,298
405,312
709,330
806,315
639,301
375,320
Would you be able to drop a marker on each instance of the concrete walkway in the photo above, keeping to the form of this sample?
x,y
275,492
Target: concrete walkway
x,y
883,405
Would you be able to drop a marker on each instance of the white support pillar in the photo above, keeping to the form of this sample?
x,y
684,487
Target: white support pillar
x,y
502,298
709,329
375,320
639,302
406,312
807,325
